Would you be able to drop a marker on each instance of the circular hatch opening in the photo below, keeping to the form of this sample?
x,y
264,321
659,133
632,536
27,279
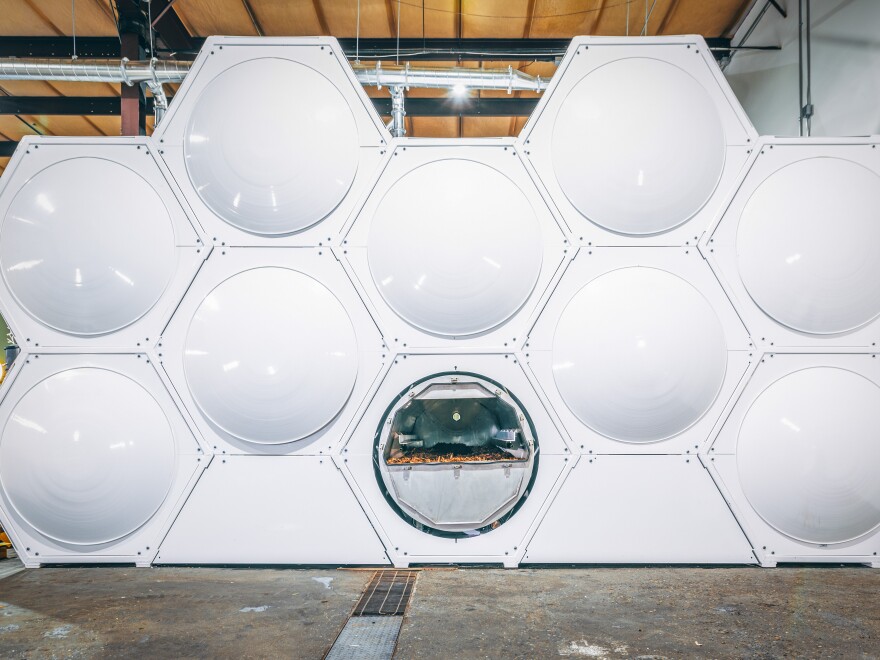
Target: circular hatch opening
x,y
456,454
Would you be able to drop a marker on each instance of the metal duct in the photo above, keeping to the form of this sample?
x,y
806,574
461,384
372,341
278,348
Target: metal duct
x,y
508,79
172,71
110,71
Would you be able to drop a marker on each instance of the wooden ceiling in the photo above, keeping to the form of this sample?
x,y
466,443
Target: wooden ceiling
x,y
510,19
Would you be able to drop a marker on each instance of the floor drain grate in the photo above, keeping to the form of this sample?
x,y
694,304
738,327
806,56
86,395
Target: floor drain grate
x,y
371,630
387,594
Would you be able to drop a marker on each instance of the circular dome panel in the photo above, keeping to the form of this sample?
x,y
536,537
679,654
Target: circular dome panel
x,y
638,146
639,355
808,455
87,456
280,182
270,356
87,246
784,238
455,247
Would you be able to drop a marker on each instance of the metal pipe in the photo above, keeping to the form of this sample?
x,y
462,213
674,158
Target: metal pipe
x,y
508,79
82,70
398,112
801,68
160,72
748,34
808,109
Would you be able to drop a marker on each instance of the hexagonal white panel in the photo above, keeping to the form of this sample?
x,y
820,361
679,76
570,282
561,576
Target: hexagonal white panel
x,y
638,351
654,509
637,139
243,489
454,244
798,458
798,246
404,541
95,459
294,183
272,350
94,245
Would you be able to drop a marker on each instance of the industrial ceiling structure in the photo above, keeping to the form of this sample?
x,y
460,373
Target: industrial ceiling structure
x,y
529,35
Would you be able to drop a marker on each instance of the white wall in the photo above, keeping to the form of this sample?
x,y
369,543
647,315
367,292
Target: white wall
x,y
846,69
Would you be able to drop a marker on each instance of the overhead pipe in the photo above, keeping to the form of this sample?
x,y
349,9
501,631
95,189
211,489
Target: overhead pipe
x,y
508,79
160,72
397,126
94,70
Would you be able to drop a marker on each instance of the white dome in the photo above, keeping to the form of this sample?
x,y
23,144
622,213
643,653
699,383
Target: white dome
x,y
455,247
809,245
87,456
290,173
270,356
638,146
808,455
87,246
639,355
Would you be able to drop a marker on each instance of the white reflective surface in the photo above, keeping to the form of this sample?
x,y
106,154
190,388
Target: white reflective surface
x,y
87,456
87,246
270,356
292,171
808,245
639,355
455,247
638,146
808,455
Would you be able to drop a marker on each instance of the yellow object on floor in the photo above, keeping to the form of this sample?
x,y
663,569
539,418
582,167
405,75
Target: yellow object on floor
x,y
4,544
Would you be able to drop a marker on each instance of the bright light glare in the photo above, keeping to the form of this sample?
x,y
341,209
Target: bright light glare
x,y
459,90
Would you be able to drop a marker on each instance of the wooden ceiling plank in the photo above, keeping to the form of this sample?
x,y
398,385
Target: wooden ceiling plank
x,y
209,17
597,16
530,18
392,20
670,12
105,9
710,19
13,127
290,18
252,16
44,18
322,18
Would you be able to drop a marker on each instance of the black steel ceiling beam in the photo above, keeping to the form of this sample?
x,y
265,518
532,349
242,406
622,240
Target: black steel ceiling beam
x,y
411,50
473,49
455,107
133,28
59,47
62,105
427,50
415,107
170,30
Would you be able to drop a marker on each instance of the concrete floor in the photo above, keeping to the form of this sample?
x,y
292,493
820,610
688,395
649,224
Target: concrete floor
x,y
466,613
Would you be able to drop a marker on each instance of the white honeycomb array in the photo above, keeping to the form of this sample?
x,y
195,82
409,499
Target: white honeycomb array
x,y
218,321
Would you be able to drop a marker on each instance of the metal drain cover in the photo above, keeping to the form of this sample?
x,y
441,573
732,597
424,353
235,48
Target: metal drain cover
x,y
367,638
371,631
387,594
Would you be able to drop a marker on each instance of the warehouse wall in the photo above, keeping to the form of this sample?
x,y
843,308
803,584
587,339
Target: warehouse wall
x,y
846,69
